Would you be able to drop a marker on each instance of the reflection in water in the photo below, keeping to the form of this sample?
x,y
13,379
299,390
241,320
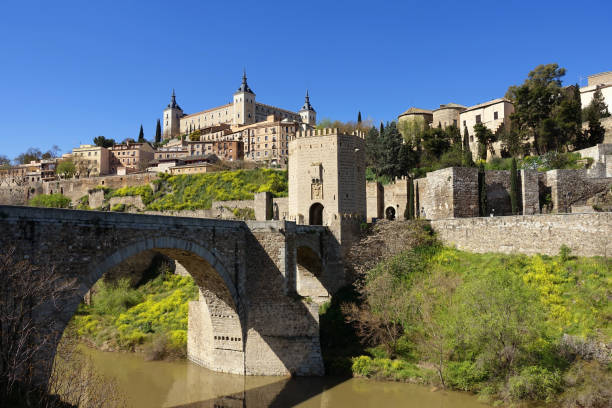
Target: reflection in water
x,y
186,385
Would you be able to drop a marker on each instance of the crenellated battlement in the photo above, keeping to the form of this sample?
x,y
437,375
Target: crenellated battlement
x,y
325,132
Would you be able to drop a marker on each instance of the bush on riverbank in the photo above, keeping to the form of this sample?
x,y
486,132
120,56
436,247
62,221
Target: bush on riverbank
x,y
138,319
493,324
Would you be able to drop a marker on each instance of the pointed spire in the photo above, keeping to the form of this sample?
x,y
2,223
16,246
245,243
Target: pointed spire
x,y
173,103
307,106
245,87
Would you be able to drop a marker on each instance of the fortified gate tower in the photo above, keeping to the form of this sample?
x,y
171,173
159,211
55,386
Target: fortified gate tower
x,y
327,181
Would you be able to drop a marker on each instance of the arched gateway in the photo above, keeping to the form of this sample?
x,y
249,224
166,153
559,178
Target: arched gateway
x,y
247,319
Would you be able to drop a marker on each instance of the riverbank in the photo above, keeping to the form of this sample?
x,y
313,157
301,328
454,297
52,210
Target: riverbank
x,y
149,318
149,384
509,328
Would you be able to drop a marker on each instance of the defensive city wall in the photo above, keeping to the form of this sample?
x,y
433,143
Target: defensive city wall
x,y
585,234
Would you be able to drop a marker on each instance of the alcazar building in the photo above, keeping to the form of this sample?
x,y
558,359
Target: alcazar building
x,y
242,111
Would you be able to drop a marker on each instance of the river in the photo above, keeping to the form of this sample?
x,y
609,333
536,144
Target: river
x,y
184,384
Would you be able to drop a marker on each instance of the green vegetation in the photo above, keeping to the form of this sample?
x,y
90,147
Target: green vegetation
x,y
198,191
143,318
83,203
66,168
118,208
498,325
547,122
50,201
244,213
145,192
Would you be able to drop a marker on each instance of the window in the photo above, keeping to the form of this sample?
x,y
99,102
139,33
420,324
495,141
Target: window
x,y
464,125
455,122
478,120
495,116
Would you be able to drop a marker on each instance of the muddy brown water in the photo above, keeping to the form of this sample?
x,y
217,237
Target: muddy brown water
x,y
184,384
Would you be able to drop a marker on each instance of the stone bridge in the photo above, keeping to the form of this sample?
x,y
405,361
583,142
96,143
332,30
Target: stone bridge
x,y
260,283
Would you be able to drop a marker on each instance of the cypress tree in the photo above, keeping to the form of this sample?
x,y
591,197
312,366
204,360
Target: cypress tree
x,y
410,203
141,135
467,152
158,132
417,204
482,192
382,129
359,118
514,187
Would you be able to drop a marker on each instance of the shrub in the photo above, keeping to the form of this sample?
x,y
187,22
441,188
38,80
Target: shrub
x,y
464,375
534,383
589,385
83,203
112,299
118,208
50,201
361,366
145,192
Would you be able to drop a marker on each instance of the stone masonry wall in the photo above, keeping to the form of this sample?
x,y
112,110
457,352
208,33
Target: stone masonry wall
x,y
16,194
374,198
436,194
77,188
465,192
585,234
498,192
572,187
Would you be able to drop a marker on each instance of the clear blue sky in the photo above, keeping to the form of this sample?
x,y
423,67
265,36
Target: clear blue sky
x,y
70,71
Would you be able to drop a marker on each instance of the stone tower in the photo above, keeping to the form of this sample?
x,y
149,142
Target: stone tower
x,y
307,113
244,104
172,119
327,183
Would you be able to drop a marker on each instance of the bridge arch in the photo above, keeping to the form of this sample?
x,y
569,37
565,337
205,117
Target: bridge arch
x,y
216,335
309,272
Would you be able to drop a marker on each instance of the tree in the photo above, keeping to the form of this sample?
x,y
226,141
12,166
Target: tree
x,y
4,161
534,101
409,213
595,133
482,192
29,303
103,142
158,132
568,115
417,204
453,134
467,152
66,169
514,187
435,143
485,138
359,118
32,154
141,138
52,153
598,105
511,142
391,147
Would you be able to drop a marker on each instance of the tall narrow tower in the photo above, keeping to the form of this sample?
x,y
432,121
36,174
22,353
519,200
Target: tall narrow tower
x,y
244,104
307,113
171,118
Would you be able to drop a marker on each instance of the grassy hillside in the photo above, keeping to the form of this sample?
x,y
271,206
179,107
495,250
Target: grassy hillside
x,y
200,190
510,327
